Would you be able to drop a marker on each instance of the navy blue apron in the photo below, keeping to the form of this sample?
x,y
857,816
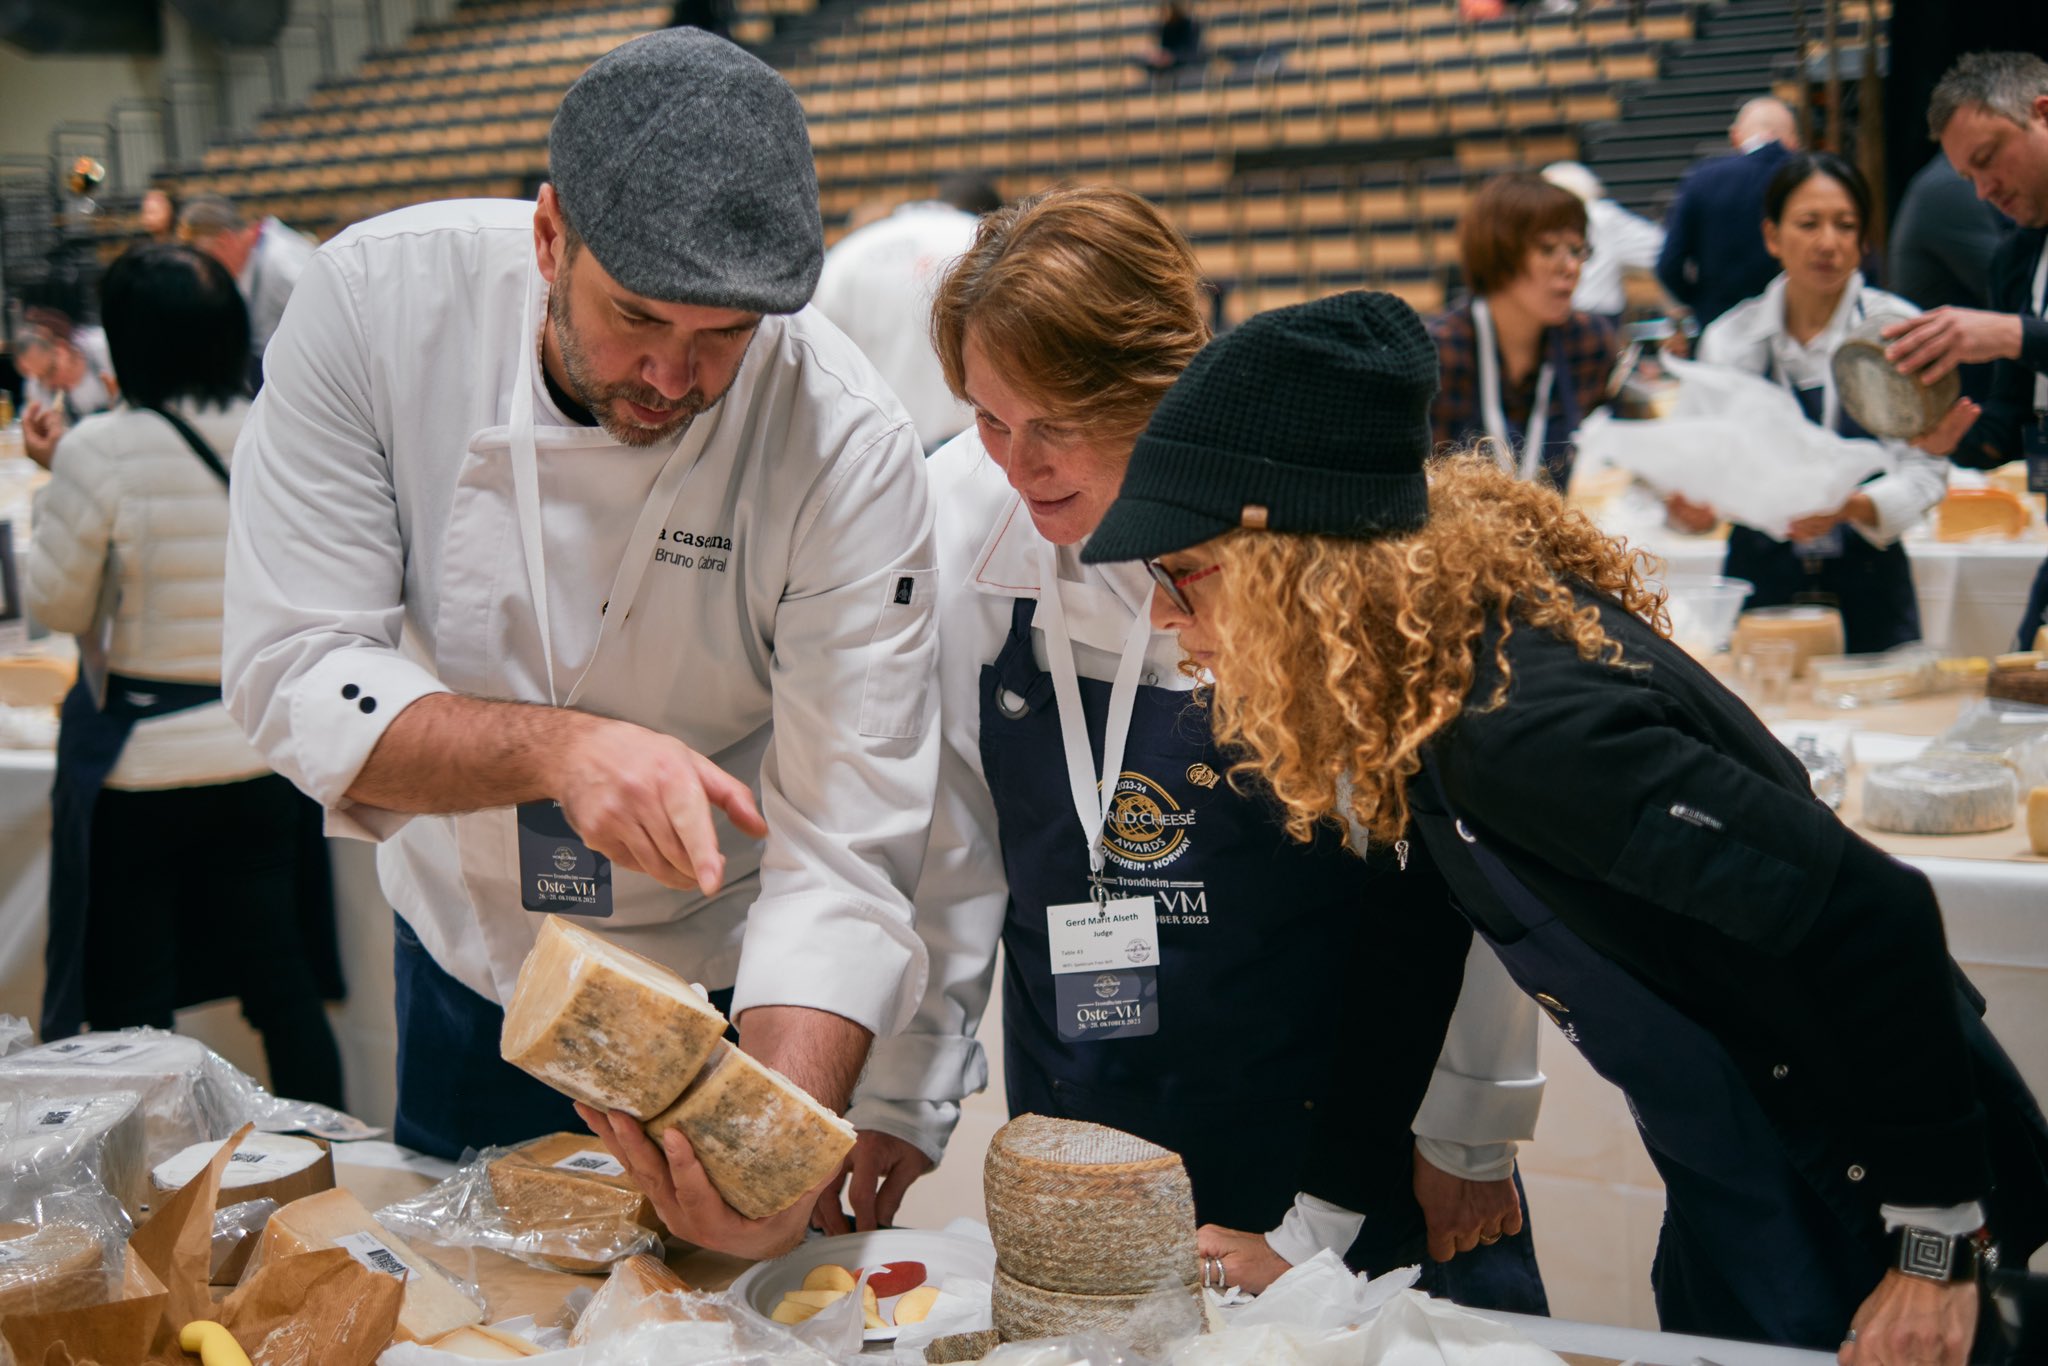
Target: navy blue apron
x,y
1751,1247
1871,586
89,743
1254,930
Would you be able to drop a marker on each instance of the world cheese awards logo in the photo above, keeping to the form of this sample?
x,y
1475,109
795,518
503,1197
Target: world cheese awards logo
x,y
1147,828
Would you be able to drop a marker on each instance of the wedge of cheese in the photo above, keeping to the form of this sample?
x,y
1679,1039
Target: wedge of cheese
x,y
433,1307
641,1289
1979,514
763,1142
263,1166
46,1267
486,1344
572,1199
603,1025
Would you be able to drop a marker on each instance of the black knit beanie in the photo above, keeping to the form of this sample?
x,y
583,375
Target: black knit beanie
x,y
1312,419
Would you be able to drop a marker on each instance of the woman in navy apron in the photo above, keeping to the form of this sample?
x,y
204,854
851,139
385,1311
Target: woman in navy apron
x,y
1441,653
1173,965
182,869
1816,222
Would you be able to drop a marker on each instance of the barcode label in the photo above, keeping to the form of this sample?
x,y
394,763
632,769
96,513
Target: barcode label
x,y
10,1254
56,1119
592,1164
365,1248
248,1158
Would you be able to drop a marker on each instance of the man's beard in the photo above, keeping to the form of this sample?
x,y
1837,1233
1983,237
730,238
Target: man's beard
x,y
603,399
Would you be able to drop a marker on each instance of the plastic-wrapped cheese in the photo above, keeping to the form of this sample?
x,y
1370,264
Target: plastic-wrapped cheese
x,y
1812,631
432,1306
1088,1210
263,1166
604,1025
486,1344
2037,820
46,1267
1150,1323
762,1140
174,1076
60,1140
568,1196
640,1290
1940,795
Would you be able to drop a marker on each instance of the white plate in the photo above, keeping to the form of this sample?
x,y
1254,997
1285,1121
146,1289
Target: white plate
x,y
762,1286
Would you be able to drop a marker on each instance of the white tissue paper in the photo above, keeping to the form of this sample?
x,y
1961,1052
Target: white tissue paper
x,y
1741,445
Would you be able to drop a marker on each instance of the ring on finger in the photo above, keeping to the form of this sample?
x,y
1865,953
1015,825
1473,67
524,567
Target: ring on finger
x,y
1488,1240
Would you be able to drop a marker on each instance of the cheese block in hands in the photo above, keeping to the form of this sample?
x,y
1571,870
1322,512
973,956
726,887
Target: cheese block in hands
x,y
604,1025
572,1199
263,1166
761,1139
48,1267
335,1218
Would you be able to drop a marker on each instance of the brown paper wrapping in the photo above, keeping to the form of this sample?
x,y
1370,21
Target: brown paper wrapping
x,y
177,1242
314,1309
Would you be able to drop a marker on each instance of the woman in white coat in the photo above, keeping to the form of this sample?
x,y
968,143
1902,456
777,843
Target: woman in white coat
x,y
1816,223
1265,1012
182,868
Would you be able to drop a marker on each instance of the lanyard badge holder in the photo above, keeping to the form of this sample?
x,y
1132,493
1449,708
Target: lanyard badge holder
x,y
2034,431
558,872
1105,951
1525,462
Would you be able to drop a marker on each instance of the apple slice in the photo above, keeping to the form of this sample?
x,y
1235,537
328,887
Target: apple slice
x,y
829,1277
916,1304
897,1277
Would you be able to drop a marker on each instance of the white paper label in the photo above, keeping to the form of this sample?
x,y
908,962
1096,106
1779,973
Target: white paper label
x,y
89,1053
1116,934
592,1164
365,1248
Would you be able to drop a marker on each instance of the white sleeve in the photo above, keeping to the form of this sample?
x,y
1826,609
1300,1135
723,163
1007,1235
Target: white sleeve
x,y
1905,494
1313,1225
1487,1088
1634,240
916,1079
73,522
847,780
314,599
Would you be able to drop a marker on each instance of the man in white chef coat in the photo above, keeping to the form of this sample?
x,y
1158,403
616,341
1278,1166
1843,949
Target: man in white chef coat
x,y
578,563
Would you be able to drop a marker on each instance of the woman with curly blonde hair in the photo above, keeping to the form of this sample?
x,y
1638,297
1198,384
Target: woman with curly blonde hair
x,y
1438,654
1077,791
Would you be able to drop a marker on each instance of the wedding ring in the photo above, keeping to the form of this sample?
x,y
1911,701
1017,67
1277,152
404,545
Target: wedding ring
x,y
1851,1336
1489,1242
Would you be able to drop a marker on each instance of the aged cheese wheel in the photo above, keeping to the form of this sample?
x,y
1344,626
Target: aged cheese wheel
x,y
1083,1208
1884,401
641,1289
57,1138
1940,795
605,1025
2037,820
566,1191
432,1307
486,1344
46,1267
762,1140
1979,514
2019,683
1812,631
263,1166
1150,1323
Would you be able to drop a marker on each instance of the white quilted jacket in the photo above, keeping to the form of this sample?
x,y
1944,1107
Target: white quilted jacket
x,y
128,500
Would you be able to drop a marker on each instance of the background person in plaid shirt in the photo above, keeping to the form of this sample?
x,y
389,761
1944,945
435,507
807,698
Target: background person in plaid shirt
x,y
1519,364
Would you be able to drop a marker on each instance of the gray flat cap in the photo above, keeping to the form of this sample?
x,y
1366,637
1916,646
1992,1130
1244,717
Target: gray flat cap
x,y
684,164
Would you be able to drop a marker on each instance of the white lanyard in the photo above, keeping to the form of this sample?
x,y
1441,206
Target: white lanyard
x,y
1093,799
2041,311
639,546
1830,400
1522,464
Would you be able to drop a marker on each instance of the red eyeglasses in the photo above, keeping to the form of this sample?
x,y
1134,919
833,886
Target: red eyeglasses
x,y
1172,586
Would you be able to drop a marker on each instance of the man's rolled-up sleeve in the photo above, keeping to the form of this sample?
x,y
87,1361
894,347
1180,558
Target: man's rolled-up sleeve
x,y
847,782
314,604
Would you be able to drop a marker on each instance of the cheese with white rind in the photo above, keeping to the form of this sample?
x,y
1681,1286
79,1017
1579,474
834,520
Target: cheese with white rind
x,y
604,1025
432,1306
1939,795
1152,1322
263,1166
571,1201
2037,820
47,1267
761,1139
1090,1210
55,1139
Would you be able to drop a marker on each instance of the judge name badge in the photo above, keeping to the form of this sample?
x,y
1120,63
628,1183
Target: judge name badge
x,y
558,872
1105,968
2034,446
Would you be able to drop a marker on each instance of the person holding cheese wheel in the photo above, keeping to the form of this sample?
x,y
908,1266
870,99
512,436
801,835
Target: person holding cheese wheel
x,y
1443,655
1174,966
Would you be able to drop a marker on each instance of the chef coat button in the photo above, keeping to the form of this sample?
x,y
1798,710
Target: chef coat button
x,y
1855,1172
368,704
1780,1072
349,691
1151,680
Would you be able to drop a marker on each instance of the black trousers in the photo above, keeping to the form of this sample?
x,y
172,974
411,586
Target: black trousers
x,y
201,885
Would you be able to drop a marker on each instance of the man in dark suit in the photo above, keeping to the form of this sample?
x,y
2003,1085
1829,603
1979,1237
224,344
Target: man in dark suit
x,y
1714,255
1990,115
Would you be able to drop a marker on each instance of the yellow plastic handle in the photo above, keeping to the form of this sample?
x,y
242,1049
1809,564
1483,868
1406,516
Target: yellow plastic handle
x,y
216,1345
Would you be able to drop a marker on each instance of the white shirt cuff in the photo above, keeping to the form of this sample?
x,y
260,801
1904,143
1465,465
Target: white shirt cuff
x,y
1956,1221
1468,1161
1313,1226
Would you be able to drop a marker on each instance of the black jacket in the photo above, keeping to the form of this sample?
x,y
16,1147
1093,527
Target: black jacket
x,y
1995,439
1659,819
1714,254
